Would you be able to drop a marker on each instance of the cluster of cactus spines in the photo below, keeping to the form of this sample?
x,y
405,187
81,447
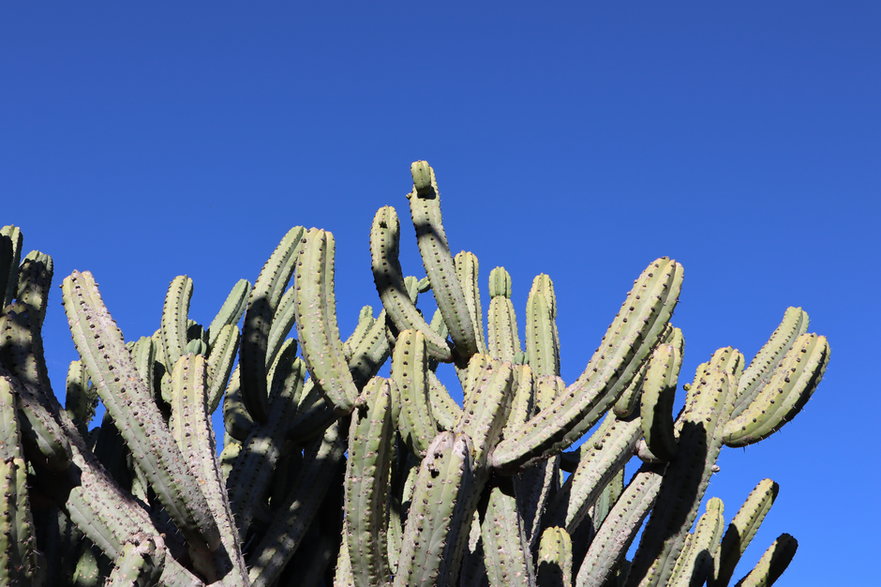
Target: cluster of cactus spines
x,y
332,473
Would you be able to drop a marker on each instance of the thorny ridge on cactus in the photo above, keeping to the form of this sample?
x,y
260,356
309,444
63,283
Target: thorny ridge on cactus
x,y
332,474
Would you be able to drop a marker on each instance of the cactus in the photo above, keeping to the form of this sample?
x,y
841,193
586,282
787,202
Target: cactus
x,y
330,473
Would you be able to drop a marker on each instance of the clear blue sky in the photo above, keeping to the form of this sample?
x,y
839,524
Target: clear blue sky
x,y
145,140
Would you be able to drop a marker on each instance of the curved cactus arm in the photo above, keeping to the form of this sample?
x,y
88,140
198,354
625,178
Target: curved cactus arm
x,y
787,391
443,407
132,408
282,323
696,561
506,552
367,349
262,304
173,327
614,536
523,399
368,467
468,273
686,478
440,516
772,564
628,403
794,324
191,427
316,320
230,311
220,363
555,558
11,241
139,563
81,397
415,422
287,529
385,235
742,529
602,456
486,409
502,336
438,262
34,281
43,438
656,403
631,337
542,340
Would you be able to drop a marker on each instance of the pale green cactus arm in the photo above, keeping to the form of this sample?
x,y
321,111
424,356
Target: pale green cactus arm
x,y
696,561
506,552
282,323
415,423
742,529
608,547
262,303
389,279
656,403
602,455
317,326
444,409
522,401
173,327
439,517
220,363
630,338
790,386
794,324
772,564
503,338
131,405
628,404
486,408
468,273
700,440
191,427
555,558
34,281
438,262
230,311
11,241
367,484
542,340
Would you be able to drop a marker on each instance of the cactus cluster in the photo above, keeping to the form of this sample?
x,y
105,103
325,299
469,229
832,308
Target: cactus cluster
x,y
331,474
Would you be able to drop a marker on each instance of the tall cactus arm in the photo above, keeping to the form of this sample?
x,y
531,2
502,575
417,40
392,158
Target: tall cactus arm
x,y
468,273
385,235
220,363
438,262
11,241
131,406
502,336
439,517
506,552
443,407
230,311
772,564
138,564
173,327
34,280
614,536
542,340
486,408
410,373
791,385
794,324
696,561
742,529
317,326
262,303
631,337
191,427
371,435
656,403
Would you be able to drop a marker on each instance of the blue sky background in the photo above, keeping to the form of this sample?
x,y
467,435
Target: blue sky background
x,y
142,141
